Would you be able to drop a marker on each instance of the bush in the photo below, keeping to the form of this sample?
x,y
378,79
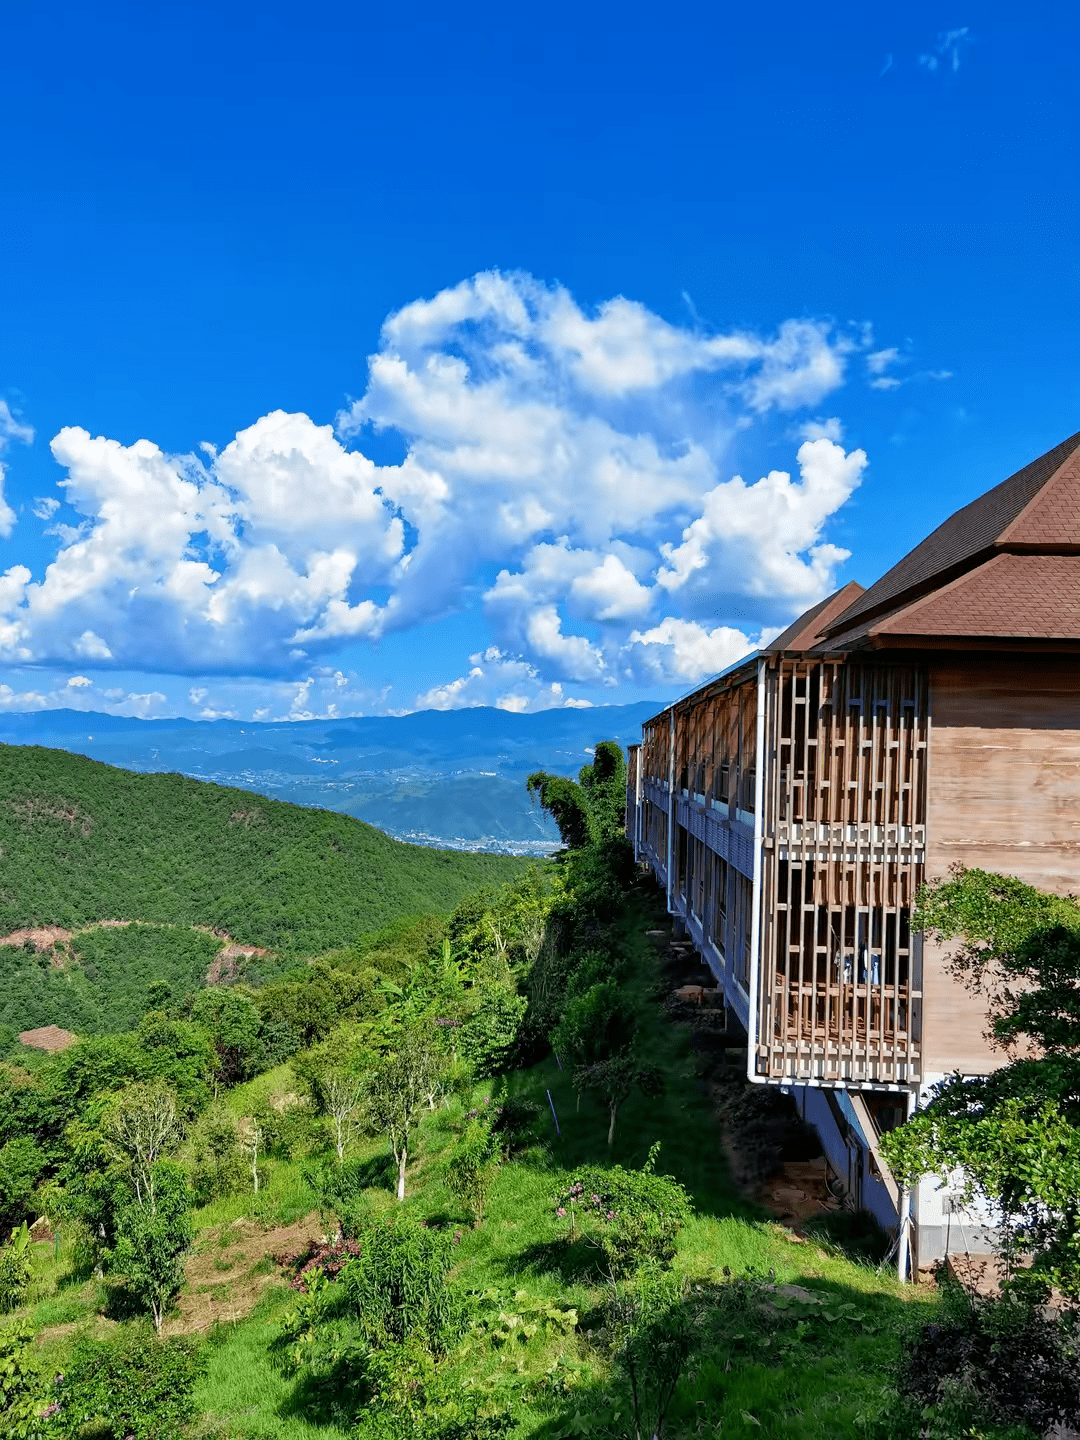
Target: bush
x,y
375,1333
15,1270
993,1361
634,1216
341,1194
133,1385
217,1167
20,1385
472,1168
488,1036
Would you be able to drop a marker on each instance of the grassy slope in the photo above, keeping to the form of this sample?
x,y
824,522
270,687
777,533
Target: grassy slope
x,y
81,841
813,1389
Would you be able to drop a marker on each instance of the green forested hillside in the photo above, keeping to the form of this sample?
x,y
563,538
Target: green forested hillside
x,y
81,841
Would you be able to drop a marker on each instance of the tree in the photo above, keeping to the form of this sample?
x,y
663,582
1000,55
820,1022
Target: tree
x,y
604,784
614,1077
1014,1134
567,804
141,1128
399,1089
335,1074
597,1024
233,1022
472,1168
594,809
152,1242
252,1140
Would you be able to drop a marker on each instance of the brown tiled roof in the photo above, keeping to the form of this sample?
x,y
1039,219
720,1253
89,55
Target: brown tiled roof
x,y
808,629
1008,597
1037,508
48,1037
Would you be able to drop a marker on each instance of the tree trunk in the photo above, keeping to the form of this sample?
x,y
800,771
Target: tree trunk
x,y
401,1159
159,1314
613,1109
340,1138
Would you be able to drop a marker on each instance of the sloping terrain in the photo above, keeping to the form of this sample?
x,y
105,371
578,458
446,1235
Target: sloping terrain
x,y
81,842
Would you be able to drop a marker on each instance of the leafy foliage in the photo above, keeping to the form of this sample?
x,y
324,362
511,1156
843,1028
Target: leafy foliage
x,y
1015,1133
489,1032
591,811
472,1168
634,1216
14,1269
21,1397
653,1331
375,1331
401,1085
994,1362
134,1385
153,1239
107,979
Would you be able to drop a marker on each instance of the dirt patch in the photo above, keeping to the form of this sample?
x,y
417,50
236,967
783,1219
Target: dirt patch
x,y
49,1038
36,807
247,818
42,937
232,1267
226,964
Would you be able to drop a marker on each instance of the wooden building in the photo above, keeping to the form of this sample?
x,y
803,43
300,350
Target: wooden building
x,y
793,806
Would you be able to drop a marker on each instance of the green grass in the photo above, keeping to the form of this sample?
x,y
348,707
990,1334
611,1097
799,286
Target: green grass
x,y
83,841
817,1385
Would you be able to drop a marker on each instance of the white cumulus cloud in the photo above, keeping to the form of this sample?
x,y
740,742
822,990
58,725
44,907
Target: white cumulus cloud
x,y
564,471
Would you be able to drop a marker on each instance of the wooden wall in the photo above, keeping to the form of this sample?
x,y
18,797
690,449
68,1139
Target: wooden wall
x,y
1004,795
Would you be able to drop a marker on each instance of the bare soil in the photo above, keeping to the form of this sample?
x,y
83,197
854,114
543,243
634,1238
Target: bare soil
x,y
226,1276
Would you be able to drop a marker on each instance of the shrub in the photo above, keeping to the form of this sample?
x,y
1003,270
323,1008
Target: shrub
x,y
514,1122
341,1194
151,1244
217,1167
994,1361
472,1168
133,1386
654,1328
15,1269
634,1216
375,1333
20,1385
488,1036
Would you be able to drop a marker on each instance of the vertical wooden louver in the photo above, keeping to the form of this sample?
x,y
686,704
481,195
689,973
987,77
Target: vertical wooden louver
x,y
845,838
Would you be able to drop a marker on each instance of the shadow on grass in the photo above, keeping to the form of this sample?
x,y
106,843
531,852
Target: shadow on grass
x,y
577,1263
753,1359
378,1172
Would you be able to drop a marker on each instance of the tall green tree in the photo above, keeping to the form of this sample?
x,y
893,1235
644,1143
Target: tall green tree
x,y
592,809
400,1088
152,1242
335,1074
1015,1133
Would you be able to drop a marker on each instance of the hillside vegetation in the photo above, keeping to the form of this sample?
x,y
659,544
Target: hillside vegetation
x,y
81,841
462,1180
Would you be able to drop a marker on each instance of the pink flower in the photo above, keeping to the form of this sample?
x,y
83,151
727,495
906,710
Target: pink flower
x,y
560,1212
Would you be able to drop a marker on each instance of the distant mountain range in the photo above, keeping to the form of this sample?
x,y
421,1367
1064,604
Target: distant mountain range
x,y
453,778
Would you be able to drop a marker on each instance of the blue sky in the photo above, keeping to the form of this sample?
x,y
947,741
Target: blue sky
x,y
361,358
